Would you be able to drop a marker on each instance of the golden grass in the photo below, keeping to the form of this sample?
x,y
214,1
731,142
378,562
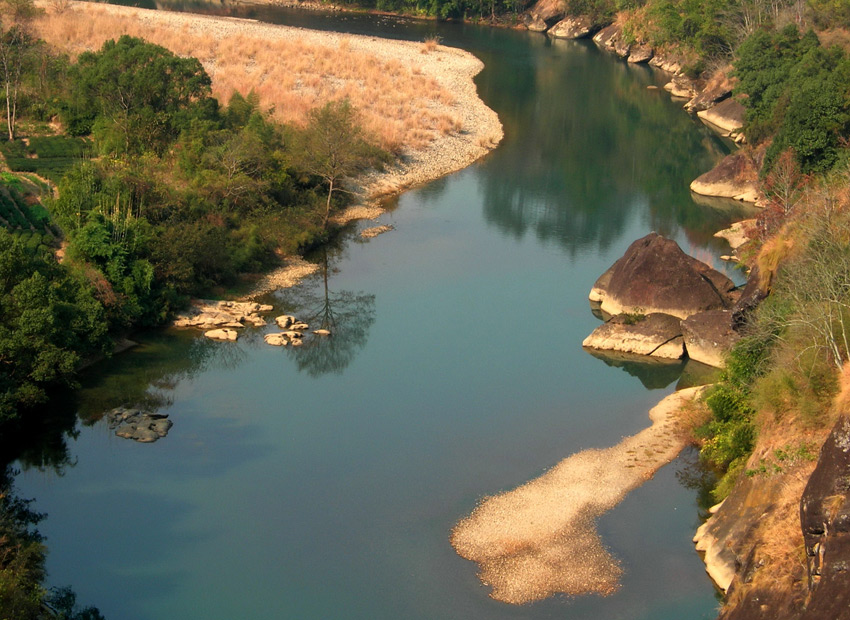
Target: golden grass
x,y
399,106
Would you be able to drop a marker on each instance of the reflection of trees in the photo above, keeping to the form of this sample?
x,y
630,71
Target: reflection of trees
x,y
592,145
144,376
348,316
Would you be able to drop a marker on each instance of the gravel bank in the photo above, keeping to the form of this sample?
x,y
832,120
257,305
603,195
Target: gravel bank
x,y
540,539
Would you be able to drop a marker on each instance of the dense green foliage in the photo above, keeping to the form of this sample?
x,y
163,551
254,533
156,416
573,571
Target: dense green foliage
x,y
797,95
48,156
135,97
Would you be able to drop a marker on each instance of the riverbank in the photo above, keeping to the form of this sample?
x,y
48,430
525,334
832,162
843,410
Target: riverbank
x,y
540,539
417,100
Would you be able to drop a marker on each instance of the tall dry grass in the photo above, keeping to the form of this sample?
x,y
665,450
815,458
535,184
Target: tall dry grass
x,y
400,106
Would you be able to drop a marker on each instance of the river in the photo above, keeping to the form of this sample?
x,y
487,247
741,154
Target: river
x,y
324,482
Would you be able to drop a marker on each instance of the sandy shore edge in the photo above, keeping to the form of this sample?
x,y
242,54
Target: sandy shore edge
x,y
453,68
540,538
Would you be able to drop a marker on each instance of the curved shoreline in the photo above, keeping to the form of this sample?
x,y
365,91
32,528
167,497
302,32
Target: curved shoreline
x,y
540,539
453,69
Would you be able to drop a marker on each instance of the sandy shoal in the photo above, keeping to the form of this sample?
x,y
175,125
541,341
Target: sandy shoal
x,y
540,538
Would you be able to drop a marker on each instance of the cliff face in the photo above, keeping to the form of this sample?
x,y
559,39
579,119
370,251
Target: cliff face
x,y
825,519
780,543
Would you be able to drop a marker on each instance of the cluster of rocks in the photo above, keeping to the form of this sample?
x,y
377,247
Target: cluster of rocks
x,y
666,304
293,334
138,425
221,319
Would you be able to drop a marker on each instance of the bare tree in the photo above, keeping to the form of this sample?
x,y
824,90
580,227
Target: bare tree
x,y
16,44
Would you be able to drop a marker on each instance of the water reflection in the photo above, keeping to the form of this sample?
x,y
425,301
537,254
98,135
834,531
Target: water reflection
x,y
656,373
347,315
595,147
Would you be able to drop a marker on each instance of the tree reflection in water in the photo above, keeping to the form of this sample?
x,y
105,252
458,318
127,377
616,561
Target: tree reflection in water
x,y
348,316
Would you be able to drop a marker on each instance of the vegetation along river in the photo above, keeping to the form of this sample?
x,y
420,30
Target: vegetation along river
x,y
323,482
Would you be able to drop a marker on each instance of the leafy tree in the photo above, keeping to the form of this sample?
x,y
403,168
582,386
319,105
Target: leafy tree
x,y
333,146
48,323
136,96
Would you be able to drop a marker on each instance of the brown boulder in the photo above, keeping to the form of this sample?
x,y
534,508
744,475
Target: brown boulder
x,y
639,54
658,335
654,275
734,177
572,28
608,36
712,94
727,117
709,336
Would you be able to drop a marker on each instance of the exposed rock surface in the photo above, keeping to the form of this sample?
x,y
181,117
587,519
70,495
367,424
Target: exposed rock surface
x,y
731,178
681,86
656,334
825,520
608,36
639,54
728,116
755,291
709,336
546,13
737,234
724,537
712,94
138,425
222,334
666,63
572,28
206,314
654,275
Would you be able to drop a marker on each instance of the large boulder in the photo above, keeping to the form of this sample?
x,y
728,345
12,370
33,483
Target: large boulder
x,y
734,177
545,13
727,116
825,520
572,28
681,86
654,275
709,336
658,335
713,93
608,36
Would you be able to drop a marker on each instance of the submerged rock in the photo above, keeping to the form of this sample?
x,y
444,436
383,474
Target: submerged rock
x,y
654,275
138,425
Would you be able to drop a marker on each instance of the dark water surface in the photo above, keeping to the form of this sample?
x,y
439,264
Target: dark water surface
x,y
323,482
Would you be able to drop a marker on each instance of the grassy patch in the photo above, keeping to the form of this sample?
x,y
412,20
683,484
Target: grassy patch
x,y
47,156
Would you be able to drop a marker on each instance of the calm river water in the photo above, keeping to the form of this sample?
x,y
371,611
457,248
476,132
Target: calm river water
x,y
323,482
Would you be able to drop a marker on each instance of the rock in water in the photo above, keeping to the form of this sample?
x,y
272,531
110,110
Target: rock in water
x,y
222,334
572,28
654,275
658,335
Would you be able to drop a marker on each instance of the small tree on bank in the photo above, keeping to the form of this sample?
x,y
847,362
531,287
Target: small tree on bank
x,y
16,46
333,146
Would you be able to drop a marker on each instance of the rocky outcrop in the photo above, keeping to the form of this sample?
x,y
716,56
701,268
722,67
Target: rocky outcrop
x,y
654,275
573,28
738,233
727,117
543,14
658,335
665,63
734,177
207,314
682,87
713,93
724,539
640,53
825,521
138,425
608,36
709,336
755,292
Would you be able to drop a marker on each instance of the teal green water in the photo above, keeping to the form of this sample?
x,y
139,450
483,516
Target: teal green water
x,y
323,482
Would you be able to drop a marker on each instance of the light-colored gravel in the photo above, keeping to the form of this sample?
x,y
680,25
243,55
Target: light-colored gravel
x,y
540,539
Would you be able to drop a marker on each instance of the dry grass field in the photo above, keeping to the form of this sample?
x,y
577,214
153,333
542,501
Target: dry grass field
x,y
401,106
